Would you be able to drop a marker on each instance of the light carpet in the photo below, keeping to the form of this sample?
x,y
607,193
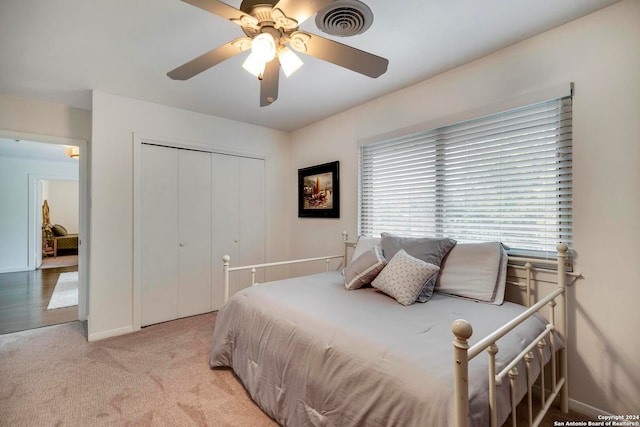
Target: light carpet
x,y
65,294
159,376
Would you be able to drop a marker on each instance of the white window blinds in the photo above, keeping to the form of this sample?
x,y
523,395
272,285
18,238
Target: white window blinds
x,y
504,177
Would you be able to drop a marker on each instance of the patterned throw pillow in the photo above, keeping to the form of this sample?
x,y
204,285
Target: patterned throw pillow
x,y
362,270
428,249
404,277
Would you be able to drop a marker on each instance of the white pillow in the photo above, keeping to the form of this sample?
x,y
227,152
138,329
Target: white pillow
x,y
362,270
473,270
364,244
404,277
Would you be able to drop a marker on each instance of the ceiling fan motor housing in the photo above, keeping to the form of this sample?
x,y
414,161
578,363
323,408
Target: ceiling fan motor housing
x,y
344,18
262,11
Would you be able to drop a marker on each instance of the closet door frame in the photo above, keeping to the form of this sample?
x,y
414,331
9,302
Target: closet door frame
x,y
138,141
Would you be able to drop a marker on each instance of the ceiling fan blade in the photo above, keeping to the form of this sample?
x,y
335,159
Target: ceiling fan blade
x,y
337,53
269,83
224,10
209,59
301,10
217,7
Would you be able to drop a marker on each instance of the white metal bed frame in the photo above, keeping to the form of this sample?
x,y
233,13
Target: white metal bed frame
x,y
462,330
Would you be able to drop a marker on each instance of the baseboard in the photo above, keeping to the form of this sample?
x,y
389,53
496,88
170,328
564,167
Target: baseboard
x,y
111,333
586,410
15,269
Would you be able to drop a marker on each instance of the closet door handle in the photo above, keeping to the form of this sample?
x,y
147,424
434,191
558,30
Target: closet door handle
x,y
181,244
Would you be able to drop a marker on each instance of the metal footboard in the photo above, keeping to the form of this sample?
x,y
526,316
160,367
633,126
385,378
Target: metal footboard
x,y
463,353
226,269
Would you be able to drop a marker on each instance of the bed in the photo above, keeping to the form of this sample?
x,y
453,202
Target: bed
x,y
311,352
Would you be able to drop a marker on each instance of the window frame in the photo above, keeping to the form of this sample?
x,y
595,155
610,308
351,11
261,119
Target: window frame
x,y
436,133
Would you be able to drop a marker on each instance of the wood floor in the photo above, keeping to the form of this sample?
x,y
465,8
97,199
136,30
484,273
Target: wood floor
x,y
24,297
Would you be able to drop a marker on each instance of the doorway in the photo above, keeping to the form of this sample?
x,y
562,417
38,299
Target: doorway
x,y
58,217
40,168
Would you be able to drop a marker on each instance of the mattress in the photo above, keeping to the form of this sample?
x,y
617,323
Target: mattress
x,y
309,352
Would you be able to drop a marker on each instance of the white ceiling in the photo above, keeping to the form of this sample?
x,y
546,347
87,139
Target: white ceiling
x,y
22,149
59,51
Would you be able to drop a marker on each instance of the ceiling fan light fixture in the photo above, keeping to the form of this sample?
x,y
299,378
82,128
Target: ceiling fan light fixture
x,y
264,47
72,151
289,61
254,65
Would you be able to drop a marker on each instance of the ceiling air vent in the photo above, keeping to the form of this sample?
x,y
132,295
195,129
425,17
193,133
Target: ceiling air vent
x,y
344,18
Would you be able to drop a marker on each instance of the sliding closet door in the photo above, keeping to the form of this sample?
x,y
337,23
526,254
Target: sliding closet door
x,y
252,213
238,219
176,233
226,218
197,207
194,225
159,224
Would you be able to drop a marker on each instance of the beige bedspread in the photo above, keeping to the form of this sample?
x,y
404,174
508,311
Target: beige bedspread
x,y
310,352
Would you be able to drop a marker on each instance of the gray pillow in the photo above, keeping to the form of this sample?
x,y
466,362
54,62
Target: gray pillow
x,y
59,230
404,277
362,270
427,249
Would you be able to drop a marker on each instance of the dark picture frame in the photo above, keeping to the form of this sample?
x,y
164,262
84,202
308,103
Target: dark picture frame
x,y
319,191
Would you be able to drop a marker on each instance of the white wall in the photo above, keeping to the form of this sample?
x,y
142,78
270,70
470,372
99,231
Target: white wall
x,y
14,206
63,198
43,118
600,53
115,119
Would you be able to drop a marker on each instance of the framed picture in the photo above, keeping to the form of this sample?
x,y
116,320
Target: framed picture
x,y
319,191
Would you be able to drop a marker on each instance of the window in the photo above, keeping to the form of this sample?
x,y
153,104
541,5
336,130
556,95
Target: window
x,y
505,177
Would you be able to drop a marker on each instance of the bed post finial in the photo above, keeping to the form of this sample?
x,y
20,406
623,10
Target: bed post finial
x,y
225,276
462,331
562,248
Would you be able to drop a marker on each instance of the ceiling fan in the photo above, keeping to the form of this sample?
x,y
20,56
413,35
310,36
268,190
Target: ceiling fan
x,y
271,25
